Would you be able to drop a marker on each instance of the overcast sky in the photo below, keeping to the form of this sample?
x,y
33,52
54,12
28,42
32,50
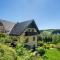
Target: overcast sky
x,y
46,13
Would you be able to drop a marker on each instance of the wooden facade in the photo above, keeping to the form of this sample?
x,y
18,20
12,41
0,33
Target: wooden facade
x,y
29,39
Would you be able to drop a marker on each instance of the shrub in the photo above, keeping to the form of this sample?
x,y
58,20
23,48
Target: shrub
x,y
7,53
25,53
41,51
40,44
52,45
4,38
46,46
2,34
29,56
57,47
55,38
8,40
20,49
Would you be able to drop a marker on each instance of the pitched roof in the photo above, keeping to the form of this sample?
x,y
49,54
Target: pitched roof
x,y
17,28
20,27
7,25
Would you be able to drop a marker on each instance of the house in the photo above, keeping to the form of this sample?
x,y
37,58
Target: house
x,y
27,31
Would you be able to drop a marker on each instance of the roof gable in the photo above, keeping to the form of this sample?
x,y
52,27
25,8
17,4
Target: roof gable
x,y
20,27
7,25
33,25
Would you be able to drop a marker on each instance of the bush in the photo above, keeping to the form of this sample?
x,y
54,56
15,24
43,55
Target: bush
x,y
52,45
41,51
7,53
40,44
8,40
20,49
56,38
4,38
46,46
23,52
57,47
2,34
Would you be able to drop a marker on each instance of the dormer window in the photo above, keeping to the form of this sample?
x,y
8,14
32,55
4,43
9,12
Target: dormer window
x,y
32,30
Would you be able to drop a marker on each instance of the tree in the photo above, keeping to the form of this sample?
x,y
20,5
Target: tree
x,y
56,38
46,36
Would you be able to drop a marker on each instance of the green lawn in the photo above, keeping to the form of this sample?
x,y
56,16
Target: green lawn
x,y
52,54
34,58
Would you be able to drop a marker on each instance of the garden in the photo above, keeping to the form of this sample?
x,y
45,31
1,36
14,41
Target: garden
x,y
48,48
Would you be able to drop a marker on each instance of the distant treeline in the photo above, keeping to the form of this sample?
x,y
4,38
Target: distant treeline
x,y
50,35
53,31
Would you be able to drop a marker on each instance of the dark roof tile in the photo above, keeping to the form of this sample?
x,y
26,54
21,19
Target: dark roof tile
x,y
20,27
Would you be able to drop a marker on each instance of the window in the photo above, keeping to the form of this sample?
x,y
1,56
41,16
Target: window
x,y
26,41
32,30
33,38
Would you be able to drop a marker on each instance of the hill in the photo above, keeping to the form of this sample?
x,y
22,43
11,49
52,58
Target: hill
x,y
53,31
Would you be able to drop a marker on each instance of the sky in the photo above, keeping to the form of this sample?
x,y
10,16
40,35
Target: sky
x,y
46,13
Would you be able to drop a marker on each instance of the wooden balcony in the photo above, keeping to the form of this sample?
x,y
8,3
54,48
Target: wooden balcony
x,y
30,33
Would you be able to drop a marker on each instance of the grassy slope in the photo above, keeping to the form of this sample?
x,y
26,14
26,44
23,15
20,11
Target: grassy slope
x,y
53,54
34,58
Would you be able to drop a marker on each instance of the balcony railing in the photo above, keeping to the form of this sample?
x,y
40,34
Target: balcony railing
x,y
30,33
